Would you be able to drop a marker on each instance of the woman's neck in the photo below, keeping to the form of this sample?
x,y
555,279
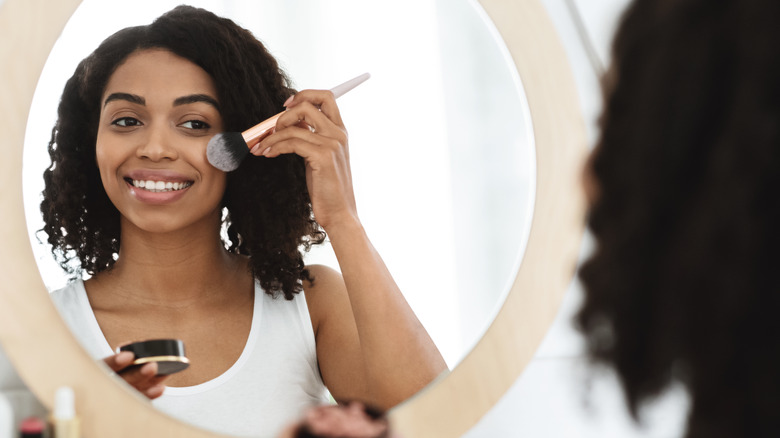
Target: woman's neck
x,y
175,269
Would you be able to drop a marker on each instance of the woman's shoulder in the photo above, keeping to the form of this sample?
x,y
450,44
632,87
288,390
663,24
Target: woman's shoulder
x,y
325,283
325,294
322,276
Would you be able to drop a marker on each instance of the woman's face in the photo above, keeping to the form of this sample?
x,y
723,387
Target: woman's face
x,y
157,115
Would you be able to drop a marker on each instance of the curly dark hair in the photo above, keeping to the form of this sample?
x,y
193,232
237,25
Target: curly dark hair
x,y
268,209
682,285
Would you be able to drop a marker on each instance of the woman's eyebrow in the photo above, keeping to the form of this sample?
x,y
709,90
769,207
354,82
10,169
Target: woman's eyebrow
x,y
193,98
184,100
125,96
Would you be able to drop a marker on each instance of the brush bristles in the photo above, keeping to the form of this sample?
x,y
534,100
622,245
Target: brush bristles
x,y
226,150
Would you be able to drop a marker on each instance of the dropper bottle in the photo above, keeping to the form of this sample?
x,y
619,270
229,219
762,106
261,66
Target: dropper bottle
x,y
64,422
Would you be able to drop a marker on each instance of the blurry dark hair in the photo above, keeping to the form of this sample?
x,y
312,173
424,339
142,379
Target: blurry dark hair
x,y
269,216
683,285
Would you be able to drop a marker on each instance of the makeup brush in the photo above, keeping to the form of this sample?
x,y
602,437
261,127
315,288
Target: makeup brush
x,y
226,150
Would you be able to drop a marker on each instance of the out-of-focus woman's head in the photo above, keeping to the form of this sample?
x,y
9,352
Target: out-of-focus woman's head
x,y
683,285
268,208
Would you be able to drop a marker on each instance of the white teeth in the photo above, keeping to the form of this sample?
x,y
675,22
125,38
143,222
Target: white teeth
x,y
160,186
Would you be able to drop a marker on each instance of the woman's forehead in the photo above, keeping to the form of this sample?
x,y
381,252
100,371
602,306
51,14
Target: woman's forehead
x,y
159,74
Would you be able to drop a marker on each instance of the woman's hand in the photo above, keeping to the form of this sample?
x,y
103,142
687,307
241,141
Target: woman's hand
x,y
143,378
344,421
312,128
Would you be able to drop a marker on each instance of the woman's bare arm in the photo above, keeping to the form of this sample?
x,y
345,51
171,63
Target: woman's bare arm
x,y
370,344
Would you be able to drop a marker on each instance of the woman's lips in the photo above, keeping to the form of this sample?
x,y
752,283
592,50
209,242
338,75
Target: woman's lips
x,y
156,191
157,186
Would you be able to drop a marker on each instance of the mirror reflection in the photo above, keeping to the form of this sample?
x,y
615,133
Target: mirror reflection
x,y
426,170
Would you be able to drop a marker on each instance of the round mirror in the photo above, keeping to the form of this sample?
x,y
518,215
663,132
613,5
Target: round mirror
x,y
32,334
440,138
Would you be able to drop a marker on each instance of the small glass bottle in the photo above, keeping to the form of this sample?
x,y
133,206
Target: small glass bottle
x,y
64,422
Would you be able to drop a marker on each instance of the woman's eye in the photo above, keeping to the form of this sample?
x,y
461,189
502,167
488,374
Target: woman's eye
x,y
126,122
196,124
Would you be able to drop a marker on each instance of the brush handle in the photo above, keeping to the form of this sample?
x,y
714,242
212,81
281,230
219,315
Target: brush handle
x,y
257,133
340,90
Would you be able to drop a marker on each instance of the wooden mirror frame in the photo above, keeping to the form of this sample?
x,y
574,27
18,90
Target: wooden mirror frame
x,y
47,356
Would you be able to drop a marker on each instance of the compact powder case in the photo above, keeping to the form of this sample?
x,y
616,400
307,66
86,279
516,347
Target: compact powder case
x,y
168,353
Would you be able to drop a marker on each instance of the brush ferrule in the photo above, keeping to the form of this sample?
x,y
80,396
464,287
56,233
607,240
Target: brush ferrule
x,y
257,133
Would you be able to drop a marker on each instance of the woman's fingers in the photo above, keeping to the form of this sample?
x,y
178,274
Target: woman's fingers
x,y
307,114
143,378
322,99
119,361
292,135
306,123
155,391
297,140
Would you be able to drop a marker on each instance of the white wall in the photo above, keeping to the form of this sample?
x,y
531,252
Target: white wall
x,y
559,395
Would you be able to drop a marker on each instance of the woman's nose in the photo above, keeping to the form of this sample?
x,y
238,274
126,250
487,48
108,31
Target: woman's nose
x,y
159,145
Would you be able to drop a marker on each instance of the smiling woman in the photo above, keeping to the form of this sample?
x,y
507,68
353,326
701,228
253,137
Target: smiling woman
x,y
145,104
537,291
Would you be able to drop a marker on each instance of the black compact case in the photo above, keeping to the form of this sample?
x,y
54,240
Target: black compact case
x,y
168,353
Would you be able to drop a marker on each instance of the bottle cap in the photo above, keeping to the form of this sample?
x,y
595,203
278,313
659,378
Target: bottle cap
x,y
32,427
64,408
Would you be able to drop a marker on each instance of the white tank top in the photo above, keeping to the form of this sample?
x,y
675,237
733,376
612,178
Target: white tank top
x,y
270,385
